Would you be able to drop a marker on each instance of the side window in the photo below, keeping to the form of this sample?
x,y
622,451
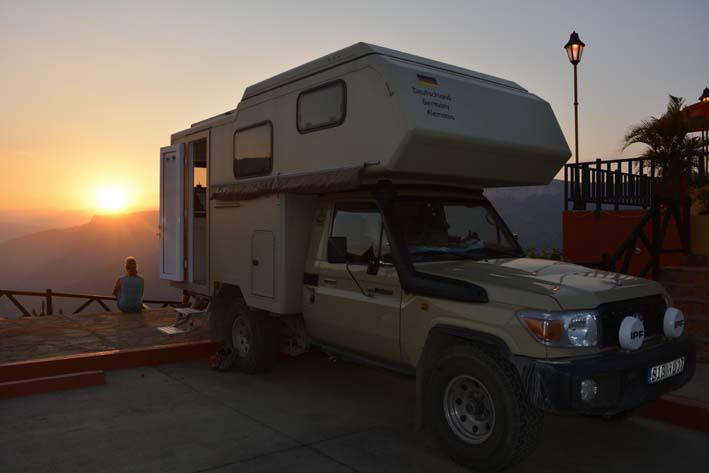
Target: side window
x,y
253,150
322,107
361,224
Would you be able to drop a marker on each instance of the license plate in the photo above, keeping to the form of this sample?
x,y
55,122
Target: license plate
x,y
665,370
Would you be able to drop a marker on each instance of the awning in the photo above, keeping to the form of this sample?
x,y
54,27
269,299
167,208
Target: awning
x,y
315,182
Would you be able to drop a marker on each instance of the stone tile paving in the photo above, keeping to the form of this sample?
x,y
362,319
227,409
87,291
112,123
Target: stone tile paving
x,y
53,335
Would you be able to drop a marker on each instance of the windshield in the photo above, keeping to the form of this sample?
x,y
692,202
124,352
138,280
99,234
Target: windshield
x,y
437,229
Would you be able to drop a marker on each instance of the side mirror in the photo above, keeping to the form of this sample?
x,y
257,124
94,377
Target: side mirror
x,y
337,250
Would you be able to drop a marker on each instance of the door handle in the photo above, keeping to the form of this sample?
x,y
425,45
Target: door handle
x,y
380,291
329,281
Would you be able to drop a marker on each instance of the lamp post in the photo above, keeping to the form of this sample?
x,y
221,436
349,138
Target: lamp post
x,y
574,49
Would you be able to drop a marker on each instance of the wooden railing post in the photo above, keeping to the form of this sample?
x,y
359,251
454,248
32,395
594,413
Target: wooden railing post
x,y
49,302
566,187
598,185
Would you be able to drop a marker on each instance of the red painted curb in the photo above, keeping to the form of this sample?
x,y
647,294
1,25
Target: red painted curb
x,y
681,411
28,387
106,360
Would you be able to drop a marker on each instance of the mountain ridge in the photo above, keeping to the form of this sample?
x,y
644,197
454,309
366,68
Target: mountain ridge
x,y
85,258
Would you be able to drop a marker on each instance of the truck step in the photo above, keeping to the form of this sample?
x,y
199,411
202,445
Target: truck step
x,y
685,274
683,290
183,320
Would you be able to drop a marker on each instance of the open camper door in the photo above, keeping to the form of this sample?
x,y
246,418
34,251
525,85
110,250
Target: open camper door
x,y
172,168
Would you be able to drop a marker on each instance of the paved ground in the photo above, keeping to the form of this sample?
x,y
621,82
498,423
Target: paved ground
x,y
309,415
36,337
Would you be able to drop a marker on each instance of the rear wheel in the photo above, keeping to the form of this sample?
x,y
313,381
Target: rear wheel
x,y
479,411
254,339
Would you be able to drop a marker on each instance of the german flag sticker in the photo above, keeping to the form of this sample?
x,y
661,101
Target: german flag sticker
x,y
427,81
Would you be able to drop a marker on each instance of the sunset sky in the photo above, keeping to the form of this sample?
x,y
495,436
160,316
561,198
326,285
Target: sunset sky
x,y
89,91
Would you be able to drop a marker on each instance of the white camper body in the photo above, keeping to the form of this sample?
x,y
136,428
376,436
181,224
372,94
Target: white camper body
x,y
349,119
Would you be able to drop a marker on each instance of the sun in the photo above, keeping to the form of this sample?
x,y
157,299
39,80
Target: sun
x,y
113,199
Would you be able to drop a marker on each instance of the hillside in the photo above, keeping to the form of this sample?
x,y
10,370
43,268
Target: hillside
x,y
43,219
85,258
534,213
10,230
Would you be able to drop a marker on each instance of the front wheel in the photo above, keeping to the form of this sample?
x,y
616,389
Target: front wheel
x,y
479,411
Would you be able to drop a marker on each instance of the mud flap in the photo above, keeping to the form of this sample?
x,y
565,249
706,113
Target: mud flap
x,y
532,375
420,393
222,312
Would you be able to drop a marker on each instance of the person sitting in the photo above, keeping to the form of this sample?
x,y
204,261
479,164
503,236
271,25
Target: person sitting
x,y
129,289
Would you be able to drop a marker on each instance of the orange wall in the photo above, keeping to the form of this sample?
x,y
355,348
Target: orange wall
x,y
588,235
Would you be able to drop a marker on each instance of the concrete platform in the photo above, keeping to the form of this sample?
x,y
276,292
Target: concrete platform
x,y
29,338
309,415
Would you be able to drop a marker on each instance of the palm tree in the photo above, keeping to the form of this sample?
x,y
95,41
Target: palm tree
x,y
668,146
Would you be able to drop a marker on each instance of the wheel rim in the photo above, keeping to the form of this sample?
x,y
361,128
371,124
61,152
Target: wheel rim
x,y
469,409
241,336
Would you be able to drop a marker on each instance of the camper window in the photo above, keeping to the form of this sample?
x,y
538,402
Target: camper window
x,y
322,107
361,224
253,150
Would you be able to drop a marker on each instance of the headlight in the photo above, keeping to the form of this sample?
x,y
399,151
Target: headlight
x,y
562,329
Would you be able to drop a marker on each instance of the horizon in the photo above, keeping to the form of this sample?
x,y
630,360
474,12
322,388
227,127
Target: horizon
x,y
90,99
83,216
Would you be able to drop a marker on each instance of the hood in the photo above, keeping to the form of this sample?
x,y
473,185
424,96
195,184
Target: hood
x,y
523,281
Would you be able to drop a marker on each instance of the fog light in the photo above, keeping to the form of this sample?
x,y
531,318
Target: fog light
x,y
673,324
589,389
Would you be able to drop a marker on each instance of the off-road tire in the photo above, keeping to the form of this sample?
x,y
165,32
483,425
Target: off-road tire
x,y
262,331
517,424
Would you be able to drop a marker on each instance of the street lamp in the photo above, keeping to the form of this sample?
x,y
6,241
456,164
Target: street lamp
x,y
574,49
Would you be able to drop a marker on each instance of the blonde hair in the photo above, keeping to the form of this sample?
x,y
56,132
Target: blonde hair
x,y
130,261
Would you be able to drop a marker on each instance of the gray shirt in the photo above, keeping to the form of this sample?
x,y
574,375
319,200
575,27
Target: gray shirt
x,y
130,294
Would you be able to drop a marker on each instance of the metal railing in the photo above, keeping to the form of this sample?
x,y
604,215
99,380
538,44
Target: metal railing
x,y
49,299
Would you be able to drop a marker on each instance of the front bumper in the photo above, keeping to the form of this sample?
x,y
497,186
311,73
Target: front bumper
x,y
554,385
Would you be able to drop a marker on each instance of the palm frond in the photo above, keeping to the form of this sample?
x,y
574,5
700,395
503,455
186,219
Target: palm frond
x,y
665,137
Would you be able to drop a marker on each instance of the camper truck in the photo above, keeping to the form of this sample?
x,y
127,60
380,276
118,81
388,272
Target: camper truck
x,y
341,205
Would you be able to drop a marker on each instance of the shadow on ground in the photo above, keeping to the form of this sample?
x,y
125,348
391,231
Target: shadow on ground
x,y
309,415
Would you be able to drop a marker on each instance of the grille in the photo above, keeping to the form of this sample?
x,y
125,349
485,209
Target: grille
x,y
652,310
